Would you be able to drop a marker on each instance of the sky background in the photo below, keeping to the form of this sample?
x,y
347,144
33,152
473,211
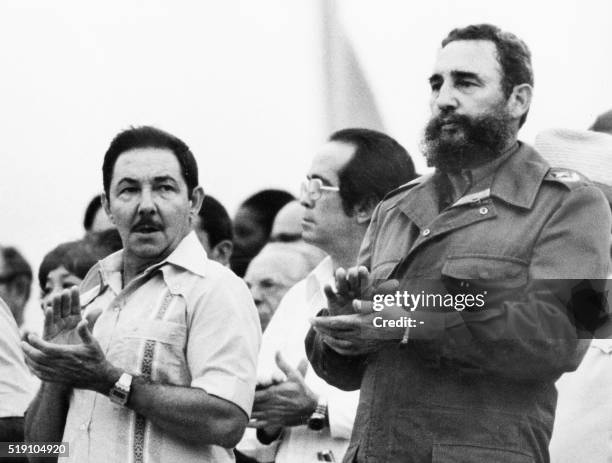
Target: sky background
x,y
242,82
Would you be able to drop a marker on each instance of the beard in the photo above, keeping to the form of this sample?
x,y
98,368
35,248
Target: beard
x,y
469,142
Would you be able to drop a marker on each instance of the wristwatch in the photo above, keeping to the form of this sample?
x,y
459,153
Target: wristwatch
x,y
317,420
120,392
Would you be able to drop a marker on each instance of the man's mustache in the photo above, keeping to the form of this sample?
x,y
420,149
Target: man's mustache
x,y
147,225
436,123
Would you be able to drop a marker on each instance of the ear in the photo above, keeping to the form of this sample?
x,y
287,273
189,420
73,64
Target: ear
x,y
222,252
363,211
520,100
106,206
197,196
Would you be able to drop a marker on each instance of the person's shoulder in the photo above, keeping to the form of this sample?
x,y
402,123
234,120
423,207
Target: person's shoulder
x,y
398,194
568,178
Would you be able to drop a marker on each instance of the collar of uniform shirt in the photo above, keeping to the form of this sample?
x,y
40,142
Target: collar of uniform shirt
x,y
188,255
467,180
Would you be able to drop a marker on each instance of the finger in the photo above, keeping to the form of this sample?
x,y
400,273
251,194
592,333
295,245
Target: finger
x,y
255,424
303,367
388,287
75,301
84,333
342,286
338,322
277,377
262,396
65,311
260,415
25,334
330,294
49,317
290,372
57,308
339,345
363,275
363,307
39,371
31,352
47,348
344,335
353,280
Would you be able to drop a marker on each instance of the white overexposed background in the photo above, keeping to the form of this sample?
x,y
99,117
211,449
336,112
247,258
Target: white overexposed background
x,y
243,83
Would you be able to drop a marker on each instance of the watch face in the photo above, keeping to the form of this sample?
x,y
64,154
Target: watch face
x,y
316,423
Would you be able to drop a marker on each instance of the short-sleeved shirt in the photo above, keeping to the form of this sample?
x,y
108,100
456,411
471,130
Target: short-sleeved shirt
x,y
16,382
285,333
187,321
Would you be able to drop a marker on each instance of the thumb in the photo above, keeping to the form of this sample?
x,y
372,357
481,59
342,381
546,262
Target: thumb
x,y
388,287
287,369
84,333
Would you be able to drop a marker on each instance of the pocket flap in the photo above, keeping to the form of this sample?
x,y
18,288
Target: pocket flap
x,y
160,331
465,453
508,272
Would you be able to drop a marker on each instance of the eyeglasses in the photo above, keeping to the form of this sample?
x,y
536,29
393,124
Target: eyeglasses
x,y
313,188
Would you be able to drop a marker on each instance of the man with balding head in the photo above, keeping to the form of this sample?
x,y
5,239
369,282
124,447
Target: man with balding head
x,y
295,410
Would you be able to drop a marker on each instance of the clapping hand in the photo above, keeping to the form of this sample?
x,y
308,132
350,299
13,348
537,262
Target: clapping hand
x,y
68,353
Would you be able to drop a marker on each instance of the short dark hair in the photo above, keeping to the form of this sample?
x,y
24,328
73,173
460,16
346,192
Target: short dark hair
x,y
150,137
379,165
17,266
513,54
266,204
79,256
215,221
90,213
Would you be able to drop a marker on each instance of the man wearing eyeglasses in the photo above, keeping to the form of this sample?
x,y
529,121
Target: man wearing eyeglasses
x,y
294,409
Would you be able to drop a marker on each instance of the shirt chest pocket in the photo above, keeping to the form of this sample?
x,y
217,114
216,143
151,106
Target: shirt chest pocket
x,y
156,349
158,331
479,273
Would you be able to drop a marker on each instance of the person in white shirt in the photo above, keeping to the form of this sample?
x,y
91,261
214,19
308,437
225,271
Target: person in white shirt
x,y
583,421
300,416
16,383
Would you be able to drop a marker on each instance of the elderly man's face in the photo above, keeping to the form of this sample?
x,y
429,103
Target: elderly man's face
x,y
148,203
270,275
470,122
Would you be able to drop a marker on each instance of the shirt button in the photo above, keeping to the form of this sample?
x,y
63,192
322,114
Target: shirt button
x,y
176,287
483,210
426,232
83,427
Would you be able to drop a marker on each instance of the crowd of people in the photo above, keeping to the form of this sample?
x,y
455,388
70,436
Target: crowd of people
x,y
300,330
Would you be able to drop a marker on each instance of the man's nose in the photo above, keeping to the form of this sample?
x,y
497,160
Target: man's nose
x,y
257,295
445,99
146,206
305,200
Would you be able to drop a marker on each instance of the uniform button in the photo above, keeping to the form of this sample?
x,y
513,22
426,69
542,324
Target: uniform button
x,y
426,232
483,210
